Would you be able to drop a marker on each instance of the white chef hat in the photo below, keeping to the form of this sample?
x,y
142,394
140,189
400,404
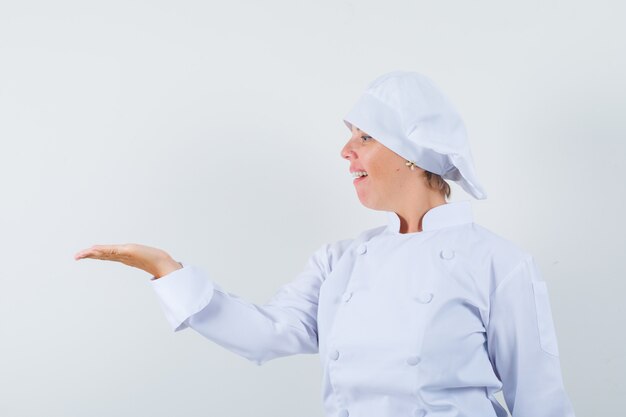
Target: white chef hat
x,y
406,112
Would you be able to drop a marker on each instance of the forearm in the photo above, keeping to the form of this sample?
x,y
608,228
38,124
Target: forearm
x,y
257,332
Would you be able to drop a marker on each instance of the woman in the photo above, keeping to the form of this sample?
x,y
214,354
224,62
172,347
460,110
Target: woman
x,y
428,315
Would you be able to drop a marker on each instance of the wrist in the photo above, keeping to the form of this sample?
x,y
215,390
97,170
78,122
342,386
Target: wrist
x,y
167,267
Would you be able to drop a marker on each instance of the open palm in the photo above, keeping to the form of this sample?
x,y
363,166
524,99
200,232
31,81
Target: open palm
x,y
155,261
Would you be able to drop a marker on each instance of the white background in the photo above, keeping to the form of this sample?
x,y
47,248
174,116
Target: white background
x,y
212,130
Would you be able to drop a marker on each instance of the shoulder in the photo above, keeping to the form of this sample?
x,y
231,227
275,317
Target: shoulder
x,y
493,255
486,242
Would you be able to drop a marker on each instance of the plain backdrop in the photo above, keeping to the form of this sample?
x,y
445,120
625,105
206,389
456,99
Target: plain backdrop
x,y
212,130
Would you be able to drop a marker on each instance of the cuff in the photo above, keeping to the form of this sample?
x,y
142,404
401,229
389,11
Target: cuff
x,y
183,293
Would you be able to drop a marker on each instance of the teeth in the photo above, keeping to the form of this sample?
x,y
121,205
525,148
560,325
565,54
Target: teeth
x,y
357,174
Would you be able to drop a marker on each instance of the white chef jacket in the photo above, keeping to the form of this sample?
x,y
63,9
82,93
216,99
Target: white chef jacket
x,y
429,323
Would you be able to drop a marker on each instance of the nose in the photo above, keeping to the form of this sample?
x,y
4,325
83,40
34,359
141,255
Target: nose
x,y
346,151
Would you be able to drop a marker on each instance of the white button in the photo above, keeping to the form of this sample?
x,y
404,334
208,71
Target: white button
x,y
446,254
362,248
334,355
424,297
420,412
413,360
343,413
346,297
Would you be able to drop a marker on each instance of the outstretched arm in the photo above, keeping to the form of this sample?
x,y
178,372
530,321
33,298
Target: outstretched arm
x,y
285,325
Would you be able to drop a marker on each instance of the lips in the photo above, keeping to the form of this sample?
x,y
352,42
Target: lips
x,y
354,169
359,179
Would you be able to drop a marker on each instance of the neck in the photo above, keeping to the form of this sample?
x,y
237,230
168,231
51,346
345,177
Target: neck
x,y
411,216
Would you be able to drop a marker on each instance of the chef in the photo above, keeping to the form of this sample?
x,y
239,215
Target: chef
x,y
429,314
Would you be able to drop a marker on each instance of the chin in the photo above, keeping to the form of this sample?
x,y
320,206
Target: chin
x,y
367,204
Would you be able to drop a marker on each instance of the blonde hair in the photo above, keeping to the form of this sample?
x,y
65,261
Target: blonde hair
x,y
436,182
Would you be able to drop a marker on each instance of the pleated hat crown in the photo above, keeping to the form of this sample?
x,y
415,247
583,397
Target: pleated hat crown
x,y
408,113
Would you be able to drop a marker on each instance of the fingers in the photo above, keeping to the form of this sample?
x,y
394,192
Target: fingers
x,y
104,252
149,259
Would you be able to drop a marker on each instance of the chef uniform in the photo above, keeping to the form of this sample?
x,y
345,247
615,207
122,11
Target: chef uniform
x,y
430,323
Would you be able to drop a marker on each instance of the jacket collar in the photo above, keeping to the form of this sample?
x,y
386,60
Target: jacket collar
x,y
438,217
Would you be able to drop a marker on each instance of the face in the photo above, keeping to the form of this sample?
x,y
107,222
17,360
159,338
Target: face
x,y
389,181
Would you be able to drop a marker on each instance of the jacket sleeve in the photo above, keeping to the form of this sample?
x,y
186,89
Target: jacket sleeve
x,y
522,345
285,325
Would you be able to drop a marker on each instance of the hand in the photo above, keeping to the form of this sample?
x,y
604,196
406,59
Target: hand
x,y
152,260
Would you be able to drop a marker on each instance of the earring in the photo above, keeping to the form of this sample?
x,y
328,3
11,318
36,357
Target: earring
x,y
411,164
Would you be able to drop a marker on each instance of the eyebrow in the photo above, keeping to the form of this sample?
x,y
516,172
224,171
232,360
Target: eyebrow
x,y
359,130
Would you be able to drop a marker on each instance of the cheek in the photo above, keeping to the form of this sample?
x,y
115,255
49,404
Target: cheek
x,y
382,165
388,169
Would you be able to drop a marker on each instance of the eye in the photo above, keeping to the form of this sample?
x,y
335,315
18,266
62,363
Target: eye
x,y
366,137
